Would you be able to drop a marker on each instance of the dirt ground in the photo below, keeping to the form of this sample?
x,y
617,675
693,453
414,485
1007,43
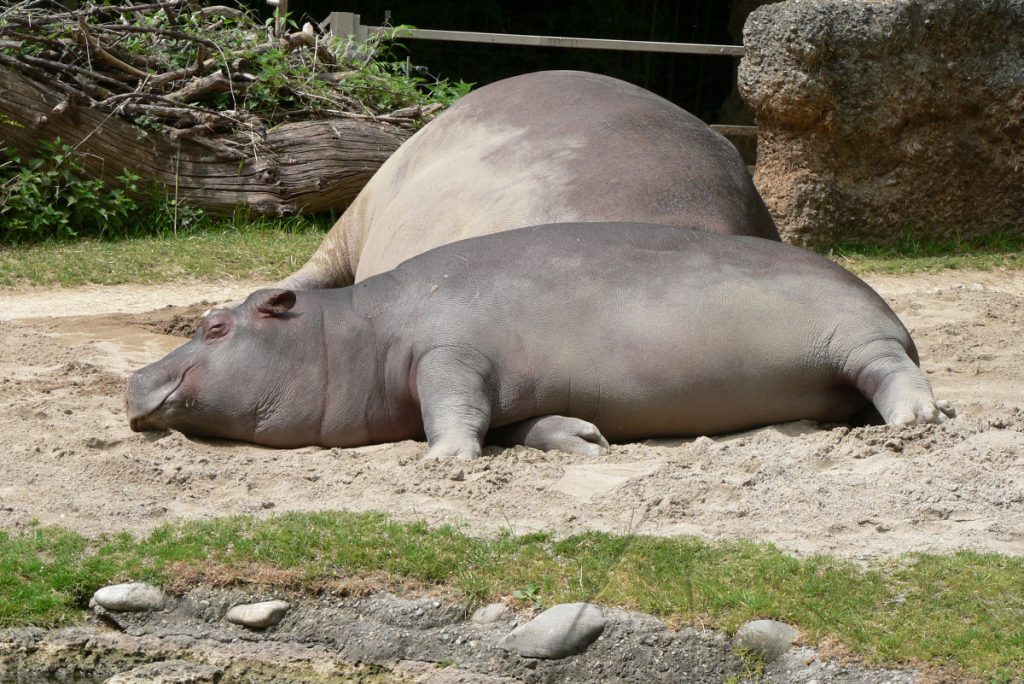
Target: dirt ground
x,y
68,457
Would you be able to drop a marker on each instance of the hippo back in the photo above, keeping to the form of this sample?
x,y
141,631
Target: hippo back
x,y
547,147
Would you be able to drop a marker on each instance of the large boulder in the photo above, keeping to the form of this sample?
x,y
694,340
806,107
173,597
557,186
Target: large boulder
x,y
881,119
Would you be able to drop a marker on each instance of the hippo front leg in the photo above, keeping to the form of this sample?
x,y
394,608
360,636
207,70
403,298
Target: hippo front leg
x,y
562,433
455,401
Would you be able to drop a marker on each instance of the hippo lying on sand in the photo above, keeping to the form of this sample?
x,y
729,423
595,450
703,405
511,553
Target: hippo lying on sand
x,y
547,147
557,334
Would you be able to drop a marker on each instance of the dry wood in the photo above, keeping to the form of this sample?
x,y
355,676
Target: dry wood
x,y
218,115
300,167
214,83
106,56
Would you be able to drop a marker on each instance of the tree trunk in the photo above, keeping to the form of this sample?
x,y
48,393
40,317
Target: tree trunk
x,y
300,167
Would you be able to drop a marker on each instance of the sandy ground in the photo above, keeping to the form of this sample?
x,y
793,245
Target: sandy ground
x,y
68,457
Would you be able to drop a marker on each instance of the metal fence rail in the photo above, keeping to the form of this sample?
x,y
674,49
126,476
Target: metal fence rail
x,y
348,24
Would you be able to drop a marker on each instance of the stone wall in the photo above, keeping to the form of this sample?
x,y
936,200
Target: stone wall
x,y
883,118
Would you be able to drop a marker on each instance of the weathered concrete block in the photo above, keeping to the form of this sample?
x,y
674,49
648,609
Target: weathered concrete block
x,y
881,118
170,672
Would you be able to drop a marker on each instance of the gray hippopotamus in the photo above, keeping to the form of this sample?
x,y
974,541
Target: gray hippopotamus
x,y
547,147
559,336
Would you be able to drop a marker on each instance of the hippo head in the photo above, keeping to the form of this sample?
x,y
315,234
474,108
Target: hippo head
x,y
254,373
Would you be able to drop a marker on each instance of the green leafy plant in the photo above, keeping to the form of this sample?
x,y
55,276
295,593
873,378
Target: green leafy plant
x,y
387,80
51,196
531,595
223,68
271,88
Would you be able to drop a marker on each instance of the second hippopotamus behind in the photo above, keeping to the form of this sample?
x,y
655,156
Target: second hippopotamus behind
x,y
555,336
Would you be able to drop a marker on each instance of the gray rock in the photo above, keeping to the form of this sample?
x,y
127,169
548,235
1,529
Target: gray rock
x,y
767,638
169,672
879,117
560,631
132,596
258,615
489,614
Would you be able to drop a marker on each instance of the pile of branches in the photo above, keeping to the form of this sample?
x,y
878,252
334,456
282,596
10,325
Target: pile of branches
x,y
187,71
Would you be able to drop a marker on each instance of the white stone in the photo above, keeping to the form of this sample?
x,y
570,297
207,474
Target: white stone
x,y
767,638
132,596
258,615
489,614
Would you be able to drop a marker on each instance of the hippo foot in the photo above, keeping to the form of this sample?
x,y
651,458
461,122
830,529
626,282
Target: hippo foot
x,y
548,433
448,450
922,410
897,387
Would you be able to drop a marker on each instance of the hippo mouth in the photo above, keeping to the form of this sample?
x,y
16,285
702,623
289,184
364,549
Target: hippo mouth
x,y
145,407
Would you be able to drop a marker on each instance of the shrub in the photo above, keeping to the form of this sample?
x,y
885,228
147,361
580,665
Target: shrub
x,y
50,196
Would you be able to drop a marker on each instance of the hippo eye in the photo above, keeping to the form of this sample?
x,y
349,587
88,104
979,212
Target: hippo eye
x,y
215,330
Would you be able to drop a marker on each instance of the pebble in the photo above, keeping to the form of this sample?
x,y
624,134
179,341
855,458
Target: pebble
x,y
560,631
258,615
767,638
132,596
489,614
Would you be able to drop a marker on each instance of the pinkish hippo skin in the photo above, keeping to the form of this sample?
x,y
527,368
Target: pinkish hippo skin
x,y
546,147
557,336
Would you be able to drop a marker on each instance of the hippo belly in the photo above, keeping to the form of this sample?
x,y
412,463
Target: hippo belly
x,y
647,330
640,371
643,338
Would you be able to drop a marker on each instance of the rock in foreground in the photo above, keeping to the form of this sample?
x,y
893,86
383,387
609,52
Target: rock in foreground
x,y
767,638
258,615
131,596
558,632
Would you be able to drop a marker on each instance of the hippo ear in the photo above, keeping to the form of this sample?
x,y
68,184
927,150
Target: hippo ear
x,y
274,302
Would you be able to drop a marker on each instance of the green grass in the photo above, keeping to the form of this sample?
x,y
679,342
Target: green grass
x,y
1002,249
271,249
220,249
964,612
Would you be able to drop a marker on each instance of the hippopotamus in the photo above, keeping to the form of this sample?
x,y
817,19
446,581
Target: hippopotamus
x,y
558,336
546,147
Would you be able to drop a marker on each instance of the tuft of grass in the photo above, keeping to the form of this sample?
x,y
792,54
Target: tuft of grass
x,y
961,612
238,247
912,254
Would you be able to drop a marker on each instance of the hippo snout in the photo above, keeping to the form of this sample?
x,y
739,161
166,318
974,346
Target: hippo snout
x,y
148,390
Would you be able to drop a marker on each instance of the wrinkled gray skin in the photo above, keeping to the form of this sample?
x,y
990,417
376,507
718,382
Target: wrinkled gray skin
x,y
547,147
556,334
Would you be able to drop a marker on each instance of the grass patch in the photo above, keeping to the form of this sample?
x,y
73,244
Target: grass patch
x,y
239,247
999,250
252,247
962,611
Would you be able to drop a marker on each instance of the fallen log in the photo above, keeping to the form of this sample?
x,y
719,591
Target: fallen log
x,y
297,167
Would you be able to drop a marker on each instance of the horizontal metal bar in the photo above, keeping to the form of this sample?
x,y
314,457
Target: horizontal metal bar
x,y
566,42
729,129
